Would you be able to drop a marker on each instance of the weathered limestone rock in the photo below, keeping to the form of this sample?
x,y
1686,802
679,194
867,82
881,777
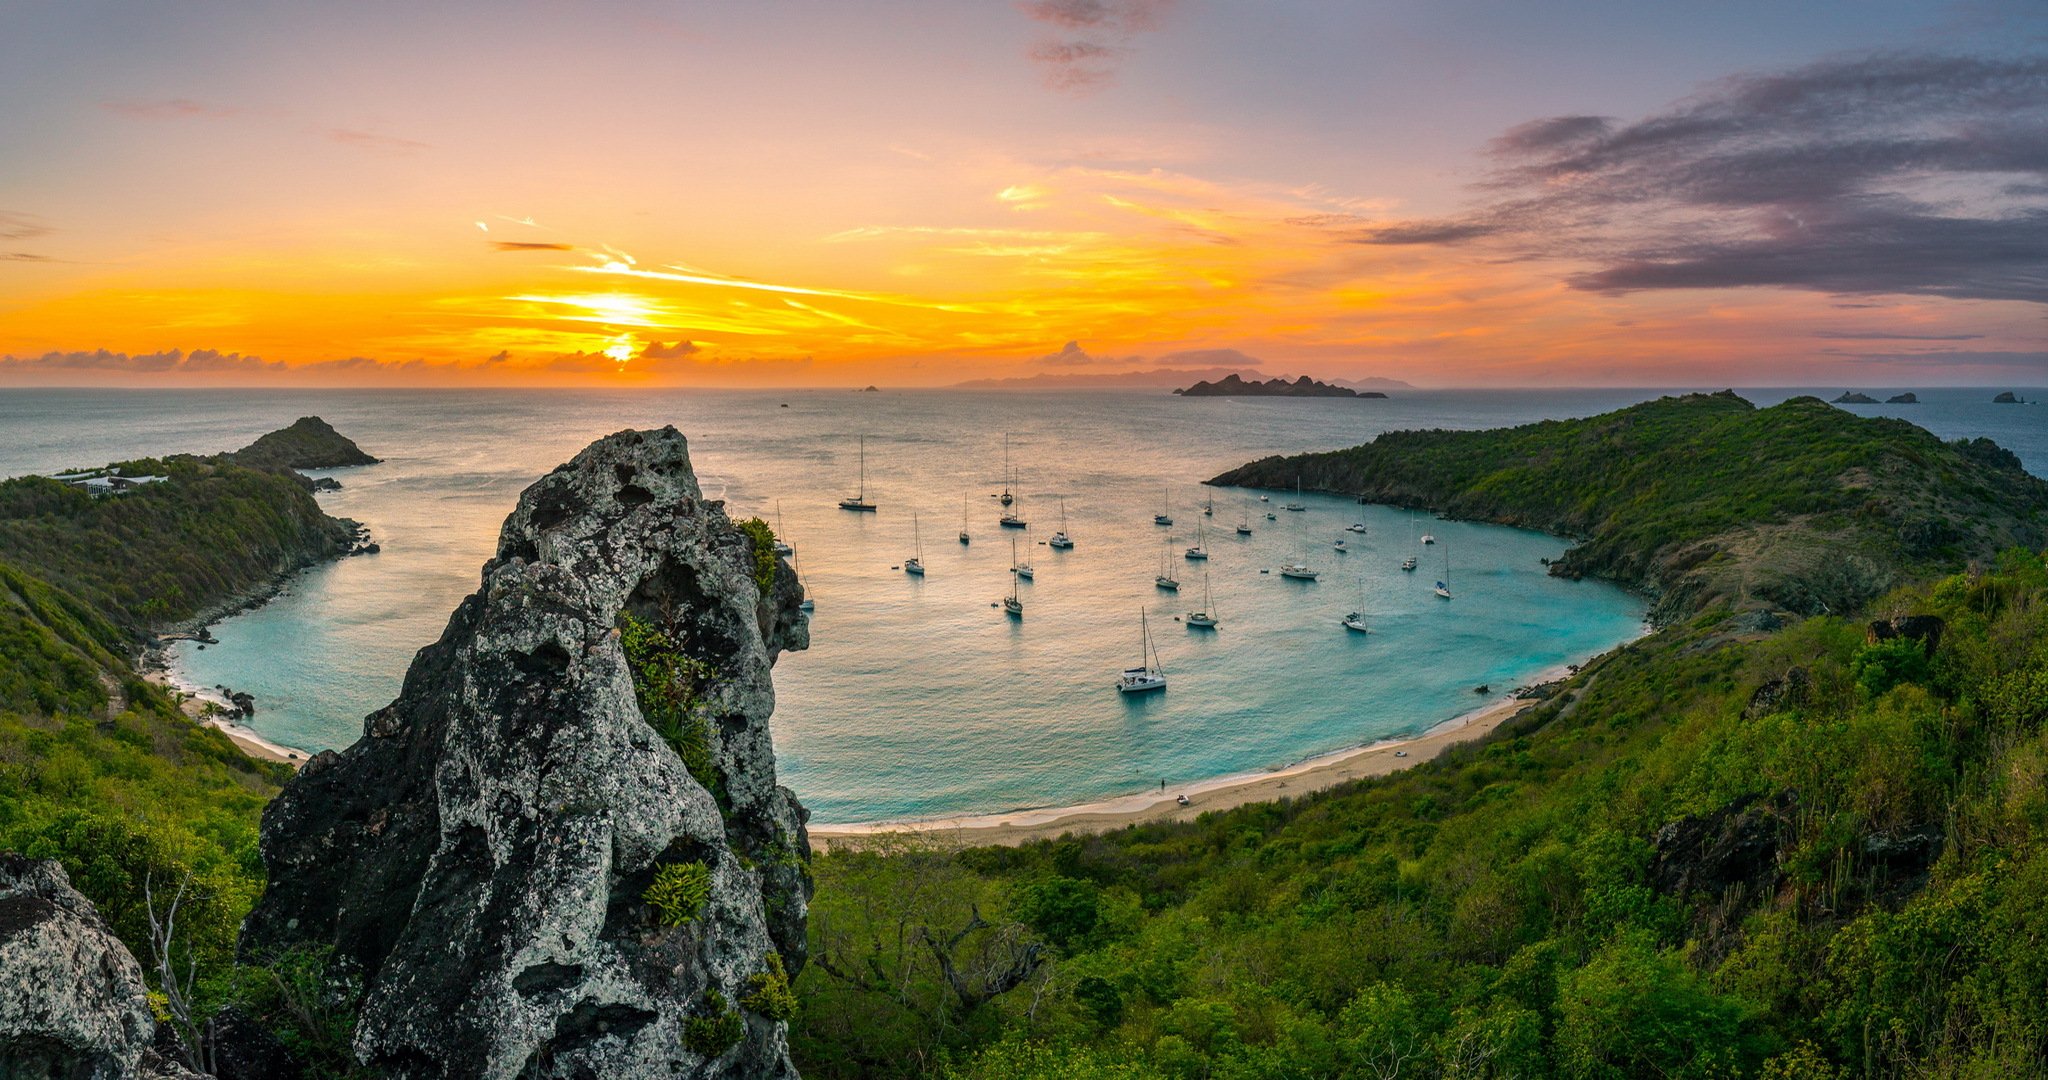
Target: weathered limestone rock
x,y
71,995
480,857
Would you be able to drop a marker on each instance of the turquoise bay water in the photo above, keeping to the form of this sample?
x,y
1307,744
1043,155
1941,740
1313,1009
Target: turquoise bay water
x,y
917,698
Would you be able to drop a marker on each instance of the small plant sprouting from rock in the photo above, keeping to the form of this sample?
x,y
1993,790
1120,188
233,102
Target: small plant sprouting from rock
x,y
768,993
679,892
716,1032
763,539
666,683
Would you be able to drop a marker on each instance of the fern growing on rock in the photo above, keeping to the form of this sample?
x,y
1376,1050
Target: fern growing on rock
x,y
679,892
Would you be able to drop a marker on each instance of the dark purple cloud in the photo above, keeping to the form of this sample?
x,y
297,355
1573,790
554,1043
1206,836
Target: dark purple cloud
x,y
1091,37
1895,173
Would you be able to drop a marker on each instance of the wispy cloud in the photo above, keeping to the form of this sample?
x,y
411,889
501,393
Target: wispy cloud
x,y
1885,335
372,141
1089,39
171,109
529,245
1894,173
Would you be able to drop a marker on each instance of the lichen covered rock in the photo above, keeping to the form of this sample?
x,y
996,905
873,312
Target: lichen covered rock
x,y
72,1001
483,857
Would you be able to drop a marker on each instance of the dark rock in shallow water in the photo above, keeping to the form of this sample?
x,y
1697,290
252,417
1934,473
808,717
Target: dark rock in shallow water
x,y
1851,397
481,856
72,1001
326,483
2006,398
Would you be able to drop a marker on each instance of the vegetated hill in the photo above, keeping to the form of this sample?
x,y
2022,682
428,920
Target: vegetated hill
x,y
99,768
1713,852
1233,386
309,443
1705,498
165,552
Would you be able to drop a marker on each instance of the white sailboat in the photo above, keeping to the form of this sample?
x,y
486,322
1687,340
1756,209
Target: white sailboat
x,y
1012,606
1200,550
1408,564
1297,505
1148,675
1006,497
860,501
1356,620
1299,569
915,564
1443,588
782,547
807,604
1021,569
1165,514
964,503
1060,539
1209,507
1244,524
1165,579
1204,619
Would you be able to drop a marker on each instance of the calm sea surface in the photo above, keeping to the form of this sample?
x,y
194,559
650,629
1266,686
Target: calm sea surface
x,y
918,697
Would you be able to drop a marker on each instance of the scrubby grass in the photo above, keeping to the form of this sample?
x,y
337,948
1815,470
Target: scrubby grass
x,y
1502,910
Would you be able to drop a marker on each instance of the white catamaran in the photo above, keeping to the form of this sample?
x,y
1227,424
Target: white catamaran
x,y
1148,675
1060,539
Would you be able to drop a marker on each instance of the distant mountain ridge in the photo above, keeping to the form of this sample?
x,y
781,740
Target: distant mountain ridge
x,y
1232,385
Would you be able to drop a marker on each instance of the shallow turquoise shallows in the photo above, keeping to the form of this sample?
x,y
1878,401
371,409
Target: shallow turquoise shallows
x,y
918,697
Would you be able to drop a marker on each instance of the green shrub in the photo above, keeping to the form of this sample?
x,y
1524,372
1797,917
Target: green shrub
x,y
763,540
716,1032
667,684
679,892
768,993
1888,663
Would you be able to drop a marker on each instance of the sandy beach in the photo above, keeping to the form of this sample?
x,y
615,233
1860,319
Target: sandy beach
x,y
1221,793
194,701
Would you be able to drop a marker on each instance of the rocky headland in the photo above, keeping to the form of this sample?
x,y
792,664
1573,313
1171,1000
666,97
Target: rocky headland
x,y
309,443
562,851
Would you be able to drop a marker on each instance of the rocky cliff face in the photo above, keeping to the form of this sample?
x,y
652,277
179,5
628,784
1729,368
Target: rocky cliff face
x,y
561,852
72,1003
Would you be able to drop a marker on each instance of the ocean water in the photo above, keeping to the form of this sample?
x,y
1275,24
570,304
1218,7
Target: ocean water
x,y
918,697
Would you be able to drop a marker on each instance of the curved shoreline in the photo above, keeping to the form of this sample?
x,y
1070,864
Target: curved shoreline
x,y
1012,827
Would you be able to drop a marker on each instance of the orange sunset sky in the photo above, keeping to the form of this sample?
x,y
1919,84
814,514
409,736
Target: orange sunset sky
x,y
641,193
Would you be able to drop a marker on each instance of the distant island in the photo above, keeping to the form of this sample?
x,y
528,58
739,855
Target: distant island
x,y
1233,386
1851,397
310,443
1903,399
2007,398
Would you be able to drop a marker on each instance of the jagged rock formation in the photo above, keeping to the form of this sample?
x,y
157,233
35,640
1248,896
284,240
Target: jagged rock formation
x,y
1908,398
1233,386
483,856
71,999
1854,397
2005,397
310,443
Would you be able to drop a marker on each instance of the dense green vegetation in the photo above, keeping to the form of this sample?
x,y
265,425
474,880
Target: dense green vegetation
x,y
99,768
166,552
1689,862
1705,498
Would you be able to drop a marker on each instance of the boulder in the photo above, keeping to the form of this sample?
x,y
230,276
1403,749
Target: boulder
x,y
527,877
1786,691
1925,629
72,1001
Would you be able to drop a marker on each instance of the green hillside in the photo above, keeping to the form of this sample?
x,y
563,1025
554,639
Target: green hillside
x,y
1664,870
1705,498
